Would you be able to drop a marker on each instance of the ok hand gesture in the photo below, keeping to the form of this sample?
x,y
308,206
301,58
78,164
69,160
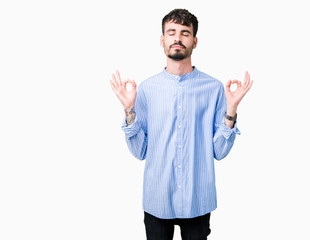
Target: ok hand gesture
x,y
233,98
126,97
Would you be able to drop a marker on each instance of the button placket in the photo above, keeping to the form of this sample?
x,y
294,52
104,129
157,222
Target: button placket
x,y
179,129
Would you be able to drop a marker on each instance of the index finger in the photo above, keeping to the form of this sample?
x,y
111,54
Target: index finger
x,y
227,87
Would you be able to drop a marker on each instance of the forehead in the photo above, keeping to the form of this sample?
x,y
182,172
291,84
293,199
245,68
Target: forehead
x,y
172,25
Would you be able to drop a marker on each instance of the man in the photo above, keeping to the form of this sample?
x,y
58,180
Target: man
x,y
179,121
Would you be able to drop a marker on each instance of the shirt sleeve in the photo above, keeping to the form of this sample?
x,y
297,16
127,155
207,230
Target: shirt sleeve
x,y
224,137
136,133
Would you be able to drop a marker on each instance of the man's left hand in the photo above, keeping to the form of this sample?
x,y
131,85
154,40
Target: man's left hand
x,y
233,98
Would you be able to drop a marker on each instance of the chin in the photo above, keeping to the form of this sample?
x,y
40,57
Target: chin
x,y
176,57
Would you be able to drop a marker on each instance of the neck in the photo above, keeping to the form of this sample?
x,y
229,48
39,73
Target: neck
x,y
179,67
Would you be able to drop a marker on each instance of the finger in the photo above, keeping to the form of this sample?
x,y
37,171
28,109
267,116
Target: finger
x,y
246,79
114,86
227,87
248,88
133,83
117,92
247,76
111,84
125,83
114,80
117,86
238,82
118,78
249,85
228,84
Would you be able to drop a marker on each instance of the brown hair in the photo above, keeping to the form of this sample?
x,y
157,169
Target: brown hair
x,y
183,17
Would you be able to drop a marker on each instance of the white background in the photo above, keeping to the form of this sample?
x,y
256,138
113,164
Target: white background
x,y
65,169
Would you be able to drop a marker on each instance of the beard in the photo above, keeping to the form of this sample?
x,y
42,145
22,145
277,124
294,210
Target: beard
x,y
178,54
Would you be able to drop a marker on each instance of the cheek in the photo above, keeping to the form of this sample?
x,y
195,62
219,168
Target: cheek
x,y
165,45
168,40
188,43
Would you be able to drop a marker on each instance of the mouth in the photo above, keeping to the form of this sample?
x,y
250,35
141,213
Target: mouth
x,y
178,46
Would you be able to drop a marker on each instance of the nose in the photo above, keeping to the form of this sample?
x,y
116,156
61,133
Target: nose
x,y
177,37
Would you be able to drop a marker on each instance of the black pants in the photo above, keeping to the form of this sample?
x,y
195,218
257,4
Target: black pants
x,y
197,228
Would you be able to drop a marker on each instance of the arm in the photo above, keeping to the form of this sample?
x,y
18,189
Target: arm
x,y
226,130
224,136
136,130
134,123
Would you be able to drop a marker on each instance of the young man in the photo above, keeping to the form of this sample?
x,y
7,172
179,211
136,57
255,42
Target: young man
x,y
179,121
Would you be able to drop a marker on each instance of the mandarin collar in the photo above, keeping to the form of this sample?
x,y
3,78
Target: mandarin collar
x,y
183,77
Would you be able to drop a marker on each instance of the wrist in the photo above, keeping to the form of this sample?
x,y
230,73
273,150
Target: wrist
x,y
231,118
130,115
231,110
129,111
129,107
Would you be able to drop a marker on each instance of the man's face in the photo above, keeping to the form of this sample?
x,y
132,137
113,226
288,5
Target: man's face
x,y
178,41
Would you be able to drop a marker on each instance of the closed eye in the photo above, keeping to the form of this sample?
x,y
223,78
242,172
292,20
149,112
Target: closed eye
x,y
171,32
186,33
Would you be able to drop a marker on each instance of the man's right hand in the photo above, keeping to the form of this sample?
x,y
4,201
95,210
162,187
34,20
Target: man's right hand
x,y
126,97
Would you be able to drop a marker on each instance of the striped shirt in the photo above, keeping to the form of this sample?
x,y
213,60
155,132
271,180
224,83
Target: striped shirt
x,y
179,129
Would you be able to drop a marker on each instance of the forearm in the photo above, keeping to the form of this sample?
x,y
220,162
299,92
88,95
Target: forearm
x,y
222,146
130,115
136,137
137,145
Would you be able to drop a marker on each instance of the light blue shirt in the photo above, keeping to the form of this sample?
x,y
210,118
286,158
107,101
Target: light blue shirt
x,y
179,130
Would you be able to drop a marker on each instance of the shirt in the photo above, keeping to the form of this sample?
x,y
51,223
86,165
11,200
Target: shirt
x,y
179,130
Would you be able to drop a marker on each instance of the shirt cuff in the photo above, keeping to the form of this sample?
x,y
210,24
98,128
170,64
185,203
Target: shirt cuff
x,y
227,132
132,129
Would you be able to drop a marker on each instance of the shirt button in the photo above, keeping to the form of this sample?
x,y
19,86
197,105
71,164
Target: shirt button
x,y
180,146
179,186
179,166
180,87
180,126
179,106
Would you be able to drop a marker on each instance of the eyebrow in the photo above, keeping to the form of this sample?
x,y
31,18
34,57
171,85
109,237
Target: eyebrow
x,y
182,31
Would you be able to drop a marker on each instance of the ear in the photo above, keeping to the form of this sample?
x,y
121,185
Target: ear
x,y
195,42
162,40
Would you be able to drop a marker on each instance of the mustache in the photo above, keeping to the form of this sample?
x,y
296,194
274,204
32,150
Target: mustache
x,y
178,44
